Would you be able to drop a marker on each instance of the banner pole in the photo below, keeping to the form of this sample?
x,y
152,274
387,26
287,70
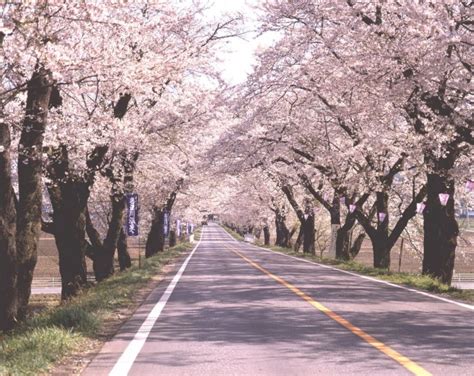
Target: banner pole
x,y
139,254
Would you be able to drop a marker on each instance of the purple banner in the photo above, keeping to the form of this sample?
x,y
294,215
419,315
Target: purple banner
x,y
132,214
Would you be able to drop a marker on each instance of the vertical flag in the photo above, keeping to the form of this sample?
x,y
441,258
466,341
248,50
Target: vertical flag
x,y
132,214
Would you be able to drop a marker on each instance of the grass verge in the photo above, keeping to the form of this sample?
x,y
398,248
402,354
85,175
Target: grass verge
x,y
197,233
234,234
417,281
59,331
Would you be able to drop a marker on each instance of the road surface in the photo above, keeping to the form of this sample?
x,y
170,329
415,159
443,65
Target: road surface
x,y
235,309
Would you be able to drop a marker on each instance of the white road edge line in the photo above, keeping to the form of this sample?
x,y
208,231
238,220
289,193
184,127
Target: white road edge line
x,y
464,305
126,360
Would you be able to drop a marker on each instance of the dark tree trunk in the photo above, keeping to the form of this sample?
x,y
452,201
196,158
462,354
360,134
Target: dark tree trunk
x,y
266,235
156,237
299,239
335,211
104,260
335,215
69,202
309,235
440,229
288,191
105,255
69,194
382,241
28,228
343,238
342,244
381,253
8,275
172,238
379,238
124,258
282,232
344,250
356,245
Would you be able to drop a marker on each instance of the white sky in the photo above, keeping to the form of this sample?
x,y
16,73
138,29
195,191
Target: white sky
x,y
238,61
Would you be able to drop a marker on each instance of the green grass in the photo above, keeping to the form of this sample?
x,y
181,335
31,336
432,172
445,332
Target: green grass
x,y
234,234
418,281
49,336
197,233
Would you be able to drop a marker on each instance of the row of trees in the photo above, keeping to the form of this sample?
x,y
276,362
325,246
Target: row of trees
x,y
359,108
97,100
362,109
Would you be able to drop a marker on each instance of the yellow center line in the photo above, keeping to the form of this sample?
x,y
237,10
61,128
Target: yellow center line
x,y
387,350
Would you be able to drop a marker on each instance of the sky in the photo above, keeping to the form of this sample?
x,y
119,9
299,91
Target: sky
x,y
238,62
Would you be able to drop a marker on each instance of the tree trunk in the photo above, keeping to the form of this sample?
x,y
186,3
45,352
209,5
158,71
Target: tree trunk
x,y
282,232
342,244
356,245
124,258
104,260
30,172
266,235
156,237
172,238
381,253
379,238
8,274
69,202
440,229
335,214
299,239
343,241
309,235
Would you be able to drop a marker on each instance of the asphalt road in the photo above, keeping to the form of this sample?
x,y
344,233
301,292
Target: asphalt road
x,y
241,310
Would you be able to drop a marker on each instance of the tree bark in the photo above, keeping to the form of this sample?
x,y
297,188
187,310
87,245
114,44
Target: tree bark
x,y
266,235
335,214
440,229
8,256
156,237
342,244
288,191
380,236
69,202
381,253
104,260
299,238
309,234
282,232
30,172
172,238
124,259
356,245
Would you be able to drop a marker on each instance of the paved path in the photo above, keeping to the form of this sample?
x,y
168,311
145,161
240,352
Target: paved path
x,y
241,310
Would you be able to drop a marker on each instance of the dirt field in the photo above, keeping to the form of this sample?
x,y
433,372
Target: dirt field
x,y
48,262
412,261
